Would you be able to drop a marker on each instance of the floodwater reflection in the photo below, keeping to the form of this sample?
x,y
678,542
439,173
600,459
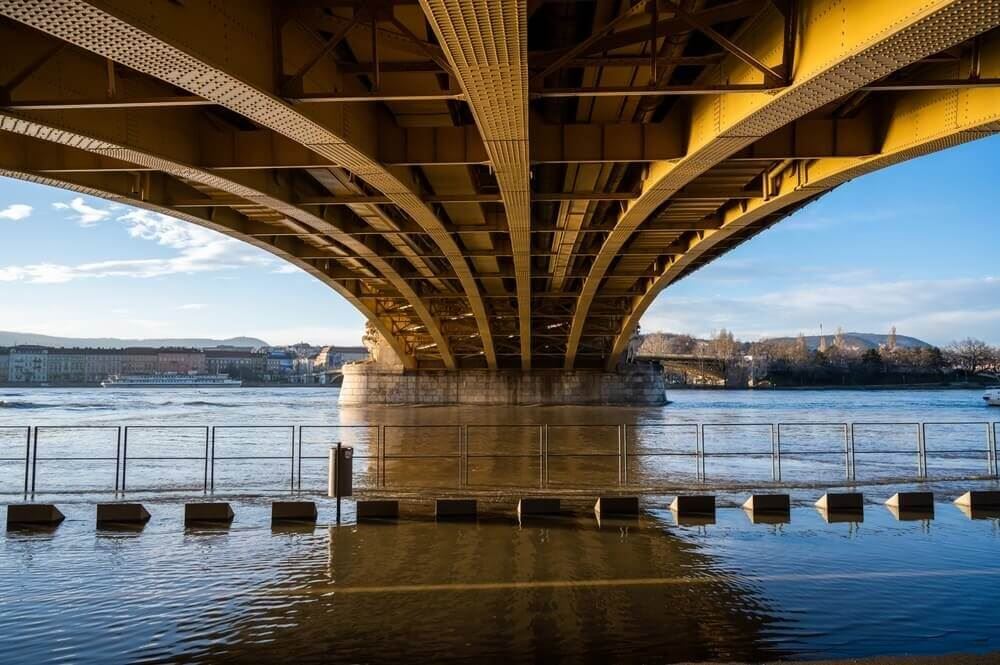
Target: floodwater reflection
x,y
646,589
557,589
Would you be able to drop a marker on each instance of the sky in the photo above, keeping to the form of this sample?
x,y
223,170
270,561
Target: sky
x,y
916,246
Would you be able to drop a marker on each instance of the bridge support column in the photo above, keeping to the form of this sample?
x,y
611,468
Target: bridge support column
x,y
638,385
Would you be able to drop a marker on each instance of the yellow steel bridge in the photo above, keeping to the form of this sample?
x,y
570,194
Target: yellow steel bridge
x,y
493,183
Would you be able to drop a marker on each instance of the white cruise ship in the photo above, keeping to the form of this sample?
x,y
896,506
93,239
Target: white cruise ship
x,y
171,381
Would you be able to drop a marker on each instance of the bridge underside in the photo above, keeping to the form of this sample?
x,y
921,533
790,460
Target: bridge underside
x,y
494,185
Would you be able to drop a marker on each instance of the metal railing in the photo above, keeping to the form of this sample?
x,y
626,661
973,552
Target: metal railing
x,y
204,458
467,456
27,451
36,445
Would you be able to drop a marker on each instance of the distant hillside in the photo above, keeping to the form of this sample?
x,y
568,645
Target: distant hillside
x,y
15,338
859,341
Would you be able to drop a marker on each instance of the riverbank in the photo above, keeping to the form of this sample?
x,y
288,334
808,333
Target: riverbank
x,y
839,387
246,384
951,659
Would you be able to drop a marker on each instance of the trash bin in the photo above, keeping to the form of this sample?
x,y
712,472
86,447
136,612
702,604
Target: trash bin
x,y
341,472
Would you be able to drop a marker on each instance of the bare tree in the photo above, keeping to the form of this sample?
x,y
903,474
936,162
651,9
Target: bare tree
x,y
724,345
970,355
801,353
661,344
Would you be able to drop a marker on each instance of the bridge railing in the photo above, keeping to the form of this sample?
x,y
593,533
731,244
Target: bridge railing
x,y
79,459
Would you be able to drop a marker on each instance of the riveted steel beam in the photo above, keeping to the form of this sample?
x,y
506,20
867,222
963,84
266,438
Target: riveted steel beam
x,y
918,123
175,101
495,82
218,66
732,11
550,144
256,192
121,189
830,64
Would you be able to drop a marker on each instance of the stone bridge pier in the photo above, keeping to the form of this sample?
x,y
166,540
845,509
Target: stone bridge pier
x,y
370,383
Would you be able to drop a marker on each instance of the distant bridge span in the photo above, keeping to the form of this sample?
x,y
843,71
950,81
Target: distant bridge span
x,y
689,364
486,198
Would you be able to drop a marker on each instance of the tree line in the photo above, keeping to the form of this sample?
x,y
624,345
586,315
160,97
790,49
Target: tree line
x,y
839,362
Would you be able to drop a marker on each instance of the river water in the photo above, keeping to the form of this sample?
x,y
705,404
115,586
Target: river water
x,y
277,439
732,588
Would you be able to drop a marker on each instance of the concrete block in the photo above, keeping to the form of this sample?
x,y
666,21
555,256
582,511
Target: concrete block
x,y
377,509
693,505
456,509
911,500
208,512
122,513
617,505
768,503
979,499
33,513
538,506
293,511
843,501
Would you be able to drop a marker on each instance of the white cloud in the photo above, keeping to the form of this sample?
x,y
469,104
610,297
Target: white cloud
x,y
193,306
198,250
815,219
86,215
15,211
344,335
937,311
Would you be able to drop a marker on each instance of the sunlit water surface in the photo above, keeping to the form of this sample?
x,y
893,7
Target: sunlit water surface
x,y
572,588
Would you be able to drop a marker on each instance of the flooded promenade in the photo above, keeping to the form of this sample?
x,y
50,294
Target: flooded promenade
x,y
572,587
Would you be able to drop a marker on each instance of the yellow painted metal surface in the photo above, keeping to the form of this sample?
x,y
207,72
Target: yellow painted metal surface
x,y
490,185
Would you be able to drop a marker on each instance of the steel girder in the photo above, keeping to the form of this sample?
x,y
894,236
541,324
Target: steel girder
x,y
256,191
120,188
167,46
842,46
487,45
917,124
693,177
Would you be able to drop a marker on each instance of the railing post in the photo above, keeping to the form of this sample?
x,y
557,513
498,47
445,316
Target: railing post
x,y
461,473
546,454
849,451
380,444
625,454
207,444
34,462
700,452
465,456
922,450
776,430
991,449
291,459
211,477
619,455
27,458
299,486
541,457
996,462
121,458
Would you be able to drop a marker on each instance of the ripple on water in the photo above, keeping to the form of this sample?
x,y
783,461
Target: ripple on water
x,y
453,592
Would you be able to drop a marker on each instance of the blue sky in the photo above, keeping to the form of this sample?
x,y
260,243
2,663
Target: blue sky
x,y
916,246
